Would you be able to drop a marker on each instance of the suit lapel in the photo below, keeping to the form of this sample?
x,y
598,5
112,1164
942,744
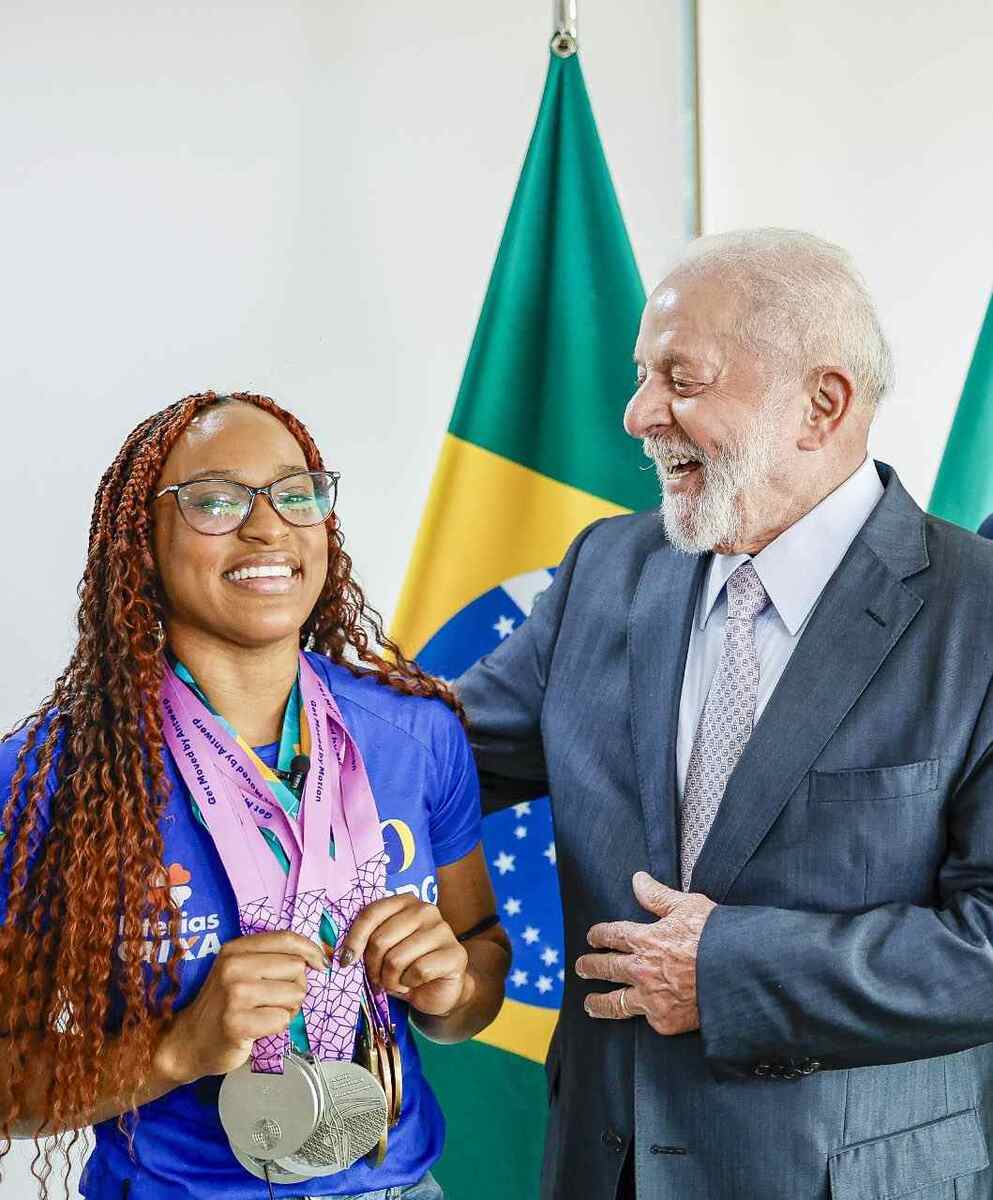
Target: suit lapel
x,y
658,634
862,614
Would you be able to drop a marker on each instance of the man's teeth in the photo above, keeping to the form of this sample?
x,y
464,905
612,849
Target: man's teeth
x,y
675,463
264,572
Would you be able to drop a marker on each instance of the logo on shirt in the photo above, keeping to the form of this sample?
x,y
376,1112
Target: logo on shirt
x,y
401,851
401,848
197,931
174,881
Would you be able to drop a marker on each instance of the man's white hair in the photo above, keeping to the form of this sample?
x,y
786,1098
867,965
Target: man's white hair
x,y
804,297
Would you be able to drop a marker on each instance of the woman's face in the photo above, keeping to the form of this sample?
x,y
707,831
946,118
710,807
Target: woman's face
x,y
243,443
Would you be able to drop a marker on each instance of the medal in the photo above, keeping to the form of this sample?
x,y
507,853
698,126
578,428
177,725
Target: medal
x,y
396,1064
368,1056
319,1120
271,1172
384,1051
291,1116
268,1116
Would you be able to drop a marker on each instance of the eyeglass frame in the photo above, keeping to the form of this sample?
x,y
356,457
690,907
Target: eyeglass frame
x,y
266,491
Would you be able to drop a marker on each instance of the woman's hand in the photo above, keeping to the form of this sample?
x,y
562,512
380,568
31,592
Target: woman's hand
x,y
255,988
410,951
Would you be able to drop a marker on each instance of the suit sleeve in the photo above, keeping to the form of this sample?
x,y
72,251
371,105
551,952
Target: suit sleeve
x,y
895,983
986,529
503,696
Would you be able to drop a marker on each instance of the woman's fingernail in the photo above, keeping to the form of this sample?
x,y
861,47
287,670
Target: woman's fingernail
x,y
347,957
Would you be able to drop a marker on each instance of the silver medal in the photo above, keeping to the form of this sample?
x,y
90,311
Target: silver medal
x,y
313,1119
271,1171
353,1120
269,1116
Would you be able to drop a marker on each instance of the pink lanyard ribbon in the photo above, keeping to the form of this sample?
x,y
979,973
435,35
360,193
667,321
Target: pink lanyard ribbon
x,y
236,803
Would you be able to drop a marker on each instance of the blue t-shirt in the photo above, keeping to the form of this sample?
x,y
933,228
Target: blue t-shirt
x,y
424,781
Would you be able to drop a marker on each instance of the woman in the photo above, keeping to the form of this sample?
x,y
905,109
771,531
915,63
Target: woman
x,y
131,980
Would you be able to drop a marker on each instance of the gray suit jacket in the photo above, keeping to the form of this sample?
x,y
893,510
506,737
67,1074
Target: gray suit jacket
x,y
846,980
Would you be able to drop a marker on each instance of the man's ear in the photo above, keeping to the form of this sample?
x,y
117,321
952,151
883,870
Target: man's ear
x,y
830,398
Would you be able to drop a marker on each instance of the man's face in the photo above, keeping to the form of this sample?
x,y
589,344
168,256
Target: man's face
x,y
715,419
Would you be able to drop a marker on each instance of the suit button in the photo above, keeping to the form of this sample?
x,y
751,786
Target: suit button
x,y
810,1066
612,1140
761,1070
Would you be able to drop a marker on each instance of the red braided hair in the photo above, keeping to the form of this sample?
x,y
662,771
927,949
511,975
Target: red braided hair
x,y
89,884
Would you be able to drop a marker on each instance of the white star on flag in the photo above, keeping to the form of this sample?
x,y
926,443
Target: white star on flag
x,y
531,935
549,956
513,907
520,832
550,853
522,810
561,976
544,984
504,862
505,626
519,978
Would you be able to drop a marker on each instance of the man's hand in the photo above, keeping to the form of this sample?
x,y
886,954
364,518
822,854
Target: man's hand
x,y
657,962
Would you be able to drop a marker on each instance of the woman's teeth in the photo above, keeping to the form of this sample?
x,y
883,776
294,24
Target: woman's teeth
x,y
265,572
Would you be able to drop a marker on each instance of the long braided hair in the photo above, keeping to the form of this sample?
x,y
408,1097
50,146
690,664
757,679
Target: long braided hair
x,y
85,883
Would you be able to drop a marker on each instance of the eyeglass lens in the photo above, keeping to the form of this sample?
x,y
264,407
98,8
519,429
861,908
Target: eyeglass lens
x,y
219,506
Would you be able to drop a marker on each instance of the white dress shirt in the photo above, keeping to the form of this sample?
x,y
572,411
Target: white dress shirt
x,y
794,570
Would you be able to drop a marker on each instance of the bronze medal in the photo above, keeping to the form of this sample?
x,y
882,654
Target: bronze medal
x,y
371,1058
396,1065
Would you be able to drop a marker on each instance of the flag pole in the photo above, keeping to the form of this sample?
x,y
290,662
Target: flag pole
x,y
565,39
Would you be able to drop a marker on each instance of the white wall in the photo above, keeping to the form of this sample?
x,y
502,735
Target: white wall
x,y
869,124
302,198
305,198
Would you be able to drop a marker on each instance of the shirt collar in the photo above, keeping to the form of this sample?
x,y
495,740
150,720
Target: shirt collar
x,y
795,568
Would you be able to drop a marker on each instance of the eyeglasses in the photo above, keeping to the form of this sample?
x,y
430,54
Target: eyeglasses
x,y
216,506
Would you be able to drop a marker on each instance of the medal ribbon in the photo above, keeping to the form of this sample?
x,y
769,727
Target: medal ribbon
x,y
237,805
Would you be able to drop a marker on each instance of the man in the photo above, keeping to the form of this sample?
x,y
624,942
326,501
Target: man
x,y
766,725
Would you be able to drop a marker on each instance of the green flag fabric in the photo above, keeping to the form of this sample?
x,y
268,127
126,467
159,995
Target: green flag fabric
x,y
535,451
556,332
963,491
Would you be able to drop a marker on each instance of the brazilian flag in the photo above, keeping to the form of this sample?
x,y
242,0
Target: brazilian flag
x,y
963,491
534,452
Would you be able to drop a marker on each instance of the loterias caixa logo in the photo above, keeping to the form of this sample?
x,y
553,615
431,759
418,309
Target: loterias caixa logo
x,y
198,932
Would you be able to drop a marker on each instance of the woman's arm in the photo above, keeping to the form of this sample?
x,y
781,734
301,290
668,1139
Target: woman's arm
x,y
254,989
465,897
411,949
31,1099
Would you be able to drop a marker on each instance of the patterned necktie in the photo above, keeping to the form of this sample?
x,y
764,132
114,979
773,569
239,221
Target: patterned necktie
x,y
726,722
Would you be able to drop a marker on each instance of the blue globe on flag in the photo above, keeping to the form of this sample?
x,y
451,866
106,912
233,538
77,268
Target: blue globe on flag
x,y
519,843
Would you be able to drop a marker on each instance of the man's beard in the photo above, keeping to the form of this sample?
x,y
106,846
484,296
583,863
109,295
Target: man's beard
x,y
712,516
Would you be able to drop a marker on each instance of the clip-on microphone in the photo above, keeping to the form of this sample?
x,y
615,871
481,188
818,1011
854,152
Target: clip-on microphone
x,y
297,774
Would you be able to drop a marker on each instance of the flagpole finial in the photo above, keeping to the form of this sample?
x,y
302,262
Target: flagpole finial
x,y
565,39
